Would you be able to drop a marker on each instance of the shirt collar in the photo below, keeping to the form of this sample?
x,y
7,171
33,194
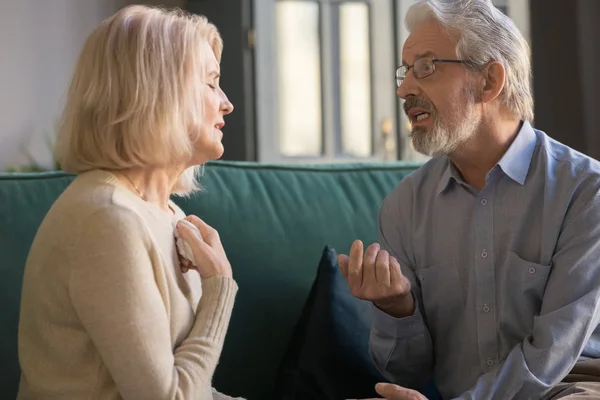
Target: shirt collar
x,y
515,162
450,173
517,159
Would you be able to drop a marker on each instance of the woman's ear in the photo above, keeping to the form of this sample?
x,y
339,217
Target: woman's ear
x,y
493,81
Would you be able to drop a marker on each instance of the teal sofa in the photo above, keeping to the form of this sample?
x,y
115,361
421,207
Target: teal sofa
x,y
274,222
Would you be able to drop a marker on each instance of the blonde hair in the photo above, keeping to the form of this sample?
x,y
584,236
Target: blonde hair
x,y
134,97
486,34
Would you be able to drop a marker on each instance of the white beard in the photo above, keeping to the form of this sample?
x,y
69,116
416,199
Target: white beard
x,y
445,138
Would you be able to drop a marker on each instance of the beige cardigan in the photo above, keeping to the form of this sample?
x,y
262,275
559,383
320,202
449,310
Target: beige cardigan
x,y
106,312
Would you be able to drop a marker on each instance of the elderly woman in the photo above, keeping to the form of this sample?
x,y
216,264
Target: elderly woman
x,y
110,309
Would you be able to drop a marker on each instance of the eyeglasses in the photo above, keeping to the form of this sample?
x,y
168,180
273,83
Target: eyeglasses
x,y
422,68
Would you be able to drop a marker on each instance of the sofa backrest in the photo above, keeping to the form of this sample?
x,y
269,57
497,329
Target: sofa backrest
x,y
274,221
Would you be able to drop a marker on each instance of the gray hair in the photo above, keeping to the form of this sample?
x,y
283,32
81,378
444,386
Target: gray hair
x,y
486,34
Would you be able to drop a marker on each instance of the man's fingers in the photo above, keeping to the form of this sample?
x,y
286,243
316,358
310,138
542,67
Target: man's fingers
x,y
343,262
382,267
369,273
355,270
395,392
395,271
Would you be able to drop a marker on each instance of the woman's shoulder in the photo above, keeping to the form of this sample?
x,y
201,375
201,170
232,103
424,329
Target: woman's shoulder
x,y
85,221
94,200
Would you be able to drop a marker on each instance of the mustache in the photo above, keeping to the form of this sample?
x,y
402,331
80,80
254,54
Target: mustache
x,y
419,102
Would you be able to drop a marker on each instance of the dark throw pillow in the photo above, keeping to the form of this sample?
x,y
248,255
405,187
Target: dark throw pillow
x,y
328,355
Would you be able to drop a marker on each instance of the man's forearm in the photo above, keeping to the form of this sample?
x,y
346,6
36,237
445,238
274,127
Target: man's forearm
x,y
401,348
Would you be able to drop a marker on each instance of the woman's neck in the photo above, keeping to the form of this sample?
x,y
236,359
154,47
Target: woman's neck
x,y
151,185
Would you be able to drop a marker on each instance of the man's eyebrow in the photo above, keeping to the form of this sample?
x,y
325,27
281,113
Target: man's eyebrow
x,y
421,55
214,74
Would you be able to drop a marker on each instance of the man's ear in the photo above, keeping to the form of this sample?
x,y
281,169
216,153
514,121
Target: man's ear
x,y
493,81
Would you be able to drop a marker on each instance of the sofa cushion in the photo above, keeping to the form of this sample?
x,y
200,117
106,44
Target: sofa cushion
x,y
272,220
328,356
25,200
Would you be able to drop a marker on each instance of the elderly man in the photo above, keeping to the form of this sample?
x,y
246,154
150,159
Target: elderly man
x,y
487,273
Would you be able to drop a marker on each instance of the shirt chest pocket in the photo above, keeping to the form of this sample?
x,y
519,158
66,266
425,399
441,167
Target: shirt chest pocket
x,y
525,278
522,288
442,294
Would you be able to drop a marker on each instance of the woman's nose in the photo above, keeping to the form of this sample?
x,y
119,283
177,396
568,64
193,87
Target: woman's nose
x,y
226,106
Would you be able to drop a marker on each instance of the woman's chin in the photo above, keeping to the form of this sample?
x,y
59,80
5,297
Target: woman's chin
x,y
216,153
208,155
219,151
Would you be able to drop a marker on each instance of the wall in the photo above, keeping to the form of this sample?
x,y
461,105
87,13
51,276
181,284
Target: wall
x,y
566,83
233,18
39,43
589,51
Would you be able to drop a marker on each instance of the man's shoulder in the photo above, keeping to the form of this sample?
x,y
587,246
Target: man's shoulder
x,y
570,170
424,179
567,166
559,155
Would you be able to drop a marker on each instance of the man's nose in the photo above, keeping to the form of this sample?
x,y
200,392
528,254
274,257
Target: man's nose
x,y
408,87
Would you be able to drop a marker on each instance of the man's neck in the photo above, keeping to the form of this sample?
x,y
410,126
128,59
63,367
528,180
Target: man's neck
x,y
477,157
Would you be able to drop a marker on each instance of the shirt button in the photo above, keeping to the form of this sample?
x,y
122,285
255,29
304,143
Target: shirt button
x,y
532,270
421,278
483,202
486,308
490,362
484,254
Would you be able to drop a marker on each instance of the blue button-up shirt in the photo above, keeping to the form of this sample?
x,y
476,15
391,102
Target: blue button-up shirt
x,y
506,279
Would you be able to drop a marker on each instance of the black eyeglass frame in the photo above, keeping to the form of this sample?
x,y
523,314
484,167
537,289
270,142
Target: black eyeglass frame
x,y
400,77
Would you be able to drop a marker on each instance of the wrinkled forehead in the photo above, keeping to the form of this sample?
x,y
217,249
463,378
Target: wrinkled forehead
x,y
429,39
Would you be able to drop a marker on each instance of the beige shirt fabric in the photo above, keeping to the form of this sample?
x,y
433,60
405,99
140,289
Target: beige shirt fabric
x,y
106,312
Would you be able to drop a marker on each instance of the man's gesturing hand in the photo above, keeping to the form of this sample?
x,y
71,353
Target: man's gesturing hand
x,y
376,277
395,392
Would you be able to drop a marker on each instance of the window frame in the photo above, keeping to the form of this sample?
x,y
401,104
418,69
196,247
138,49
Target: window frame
x,y
268,145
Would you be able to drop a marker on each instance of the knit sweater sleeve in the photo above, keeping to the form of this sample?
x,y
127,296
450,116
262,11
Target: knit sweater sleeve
x,y
115,295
